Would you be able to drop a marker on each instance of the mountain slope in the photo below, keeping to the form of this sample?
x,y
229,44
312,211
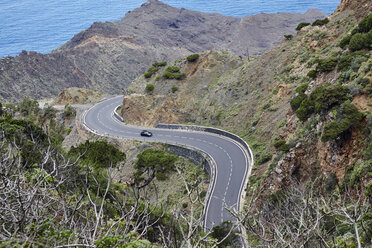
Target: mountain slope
x,y
109,55
304,108
256,100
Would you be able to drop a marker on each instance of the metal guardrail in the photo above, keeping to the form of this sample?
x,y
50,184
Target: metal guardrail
x,y
116,114
211,130
234,137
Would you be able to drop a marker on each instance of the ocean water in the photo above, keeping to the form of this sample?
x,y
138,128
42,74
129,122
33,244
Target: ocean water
x,y
44,25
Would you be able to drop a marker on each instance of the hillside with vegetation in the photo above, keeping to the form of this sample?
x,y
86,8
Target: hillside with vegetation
x,y
304,107
93,194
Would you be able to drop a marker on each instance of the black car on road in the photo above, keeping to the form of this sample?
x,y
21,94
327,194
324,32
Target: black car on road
x,y
146,133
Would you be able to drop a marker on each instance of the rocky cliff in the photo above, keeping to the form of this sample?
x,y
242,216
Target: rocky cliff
x,y
108,56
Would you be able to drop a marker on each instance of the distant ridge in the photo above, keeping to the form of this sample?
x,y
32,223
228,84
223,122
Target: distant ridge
x,y
109,55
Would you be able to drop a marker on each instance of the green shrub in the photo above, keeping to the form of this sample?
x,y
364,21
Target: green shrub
x,y
168,75
357,62
281,145
153,69
297,100
184,205
173,69
160,176
157,78
288,36
275,91
322,99
325,65
223,234
49,112
328,96
320,22
153,162
312,74
180,76
174,89
305,110
147,74
192,57
302,88
265,157
344,41
361,37
365,25
159,64
69,111
28,106
358,42
150,87
98,154
281,123
348,116
301,25
345,61
364,82
345,75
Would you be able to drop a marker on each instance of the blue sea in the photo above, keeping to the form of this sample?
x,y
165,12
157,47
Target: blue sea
x,y
44,25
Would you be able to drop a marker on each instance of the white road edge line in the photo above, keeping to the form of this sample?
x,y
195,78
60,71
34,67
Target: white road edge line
x,y
214,170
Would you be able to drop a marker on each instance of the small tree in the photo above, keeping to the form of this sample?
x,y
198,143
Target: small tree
x,y
174,89
150,87
98,154
168,75
28,106
192,57
159,64
312,74
358,42
320,22
147,74
180,76
325,65
301,25
50,112
366,24
173,69
153,163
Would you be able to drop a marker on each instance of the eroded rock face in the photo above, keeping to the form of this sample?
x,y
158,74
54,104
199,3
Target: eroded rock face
x,y
148,110
360,7
109,56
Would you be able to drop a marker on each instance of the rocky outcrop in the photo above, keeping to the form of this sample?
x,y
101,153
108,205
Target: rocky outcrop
x,y
149,110
360,7
108,56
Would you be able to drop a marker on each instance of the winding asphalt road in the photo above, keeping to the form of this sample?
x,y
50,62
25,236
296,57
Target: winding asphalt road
x,y
232,164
